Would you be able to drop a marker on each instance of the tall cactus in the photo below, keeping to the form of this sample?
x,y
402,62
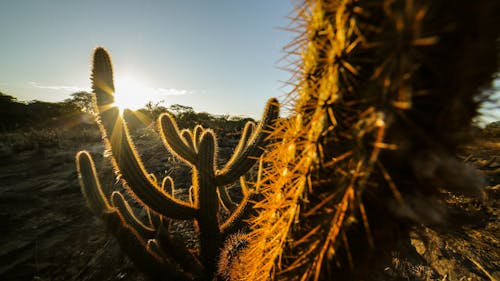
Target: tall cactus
x,y
151,246
386,91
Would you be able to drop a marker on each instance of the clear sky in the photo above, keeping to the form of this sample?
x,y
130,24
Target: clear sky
x,y
218,56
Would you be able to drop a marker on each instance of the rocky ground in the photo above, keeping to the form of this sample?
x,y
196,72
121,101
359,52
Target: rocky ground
x,y
48,233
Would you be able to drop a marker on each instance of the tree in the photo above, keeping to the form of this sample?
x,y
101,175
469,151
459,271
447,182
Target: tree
x,y
155,109
178,109
12,113
83,100
5,99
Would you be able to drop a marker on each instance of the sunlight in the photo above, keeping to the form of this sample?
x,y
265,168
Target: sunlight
x,y
130,93
134,93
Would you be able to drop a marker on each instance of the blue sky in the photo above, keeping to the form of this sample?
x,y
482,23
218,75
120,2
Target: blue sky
x,y
216,56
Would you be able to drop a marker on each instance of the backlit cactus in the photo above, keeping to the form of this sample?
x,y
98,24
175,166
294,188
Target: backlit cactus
x,y
150,245
385,92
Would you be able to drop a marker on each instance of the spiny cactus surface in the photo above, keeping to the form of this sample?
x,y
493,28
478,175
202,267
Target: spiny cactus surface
x,y
158,252
385,91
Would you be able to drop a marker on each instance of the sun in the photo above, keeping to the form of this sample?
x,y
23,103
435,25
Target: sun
x,y
130,93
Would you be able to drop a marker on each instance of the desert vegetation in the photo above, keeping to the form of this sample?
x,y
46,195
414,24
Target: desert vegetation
x,y
377,173
53,227
152,247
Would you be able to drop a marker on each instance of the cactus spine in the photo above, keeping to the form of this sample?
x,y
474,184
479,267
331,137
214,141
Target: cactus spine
x,y
385,91
155,250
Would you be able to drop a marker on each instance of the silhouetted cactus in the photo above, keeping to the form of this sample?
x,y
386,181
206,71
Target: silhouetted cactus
x,y
158,252
385,92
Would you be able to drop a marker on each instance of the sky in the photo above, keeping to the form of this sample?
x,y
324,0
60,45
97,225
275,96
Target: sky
x,y
219,56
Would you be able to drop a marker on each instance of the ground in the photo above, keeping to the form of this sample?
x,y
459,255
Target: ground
x,y
48,233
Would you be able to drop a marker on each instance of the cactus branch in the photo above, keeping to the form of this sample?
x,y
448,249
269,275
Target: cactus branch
x,y
130,218
128,238
129,165
225,199
91,188
197,131
148,261
102,78
208,201
189,139
168,185
126,161
252,148
153,245
230,226
177,249
246,136
172,139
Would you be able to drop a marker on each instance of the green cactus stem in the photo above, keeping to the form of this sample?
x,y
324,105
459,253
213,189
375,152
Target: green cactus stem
x,y
129,238
385,91
118,142
198,149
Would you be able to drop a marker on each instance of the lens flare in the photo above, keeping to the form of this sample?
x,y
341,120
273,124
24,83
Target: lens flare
x,y
130,93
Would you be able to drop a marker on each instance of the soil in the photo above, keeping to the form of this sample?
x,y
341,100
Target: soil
x,y
48,233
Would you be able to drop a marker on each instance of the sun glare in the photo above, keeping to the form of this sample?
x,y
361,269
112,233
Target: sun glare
x,y
130,94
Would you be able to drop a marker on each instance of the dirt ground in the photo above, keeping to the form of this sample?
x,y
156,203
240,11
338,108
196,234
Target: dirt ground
x,y
48,233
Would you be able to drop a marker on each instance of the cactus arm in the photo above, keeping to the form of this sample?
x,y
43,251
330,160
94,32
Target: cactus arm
x,y
151,245
197,132
175,246
191,195
90,185
207,202
231,224
127,162
225,199
246,136
144,188
125,159
188,138
148,260
224,196
128,238
129,217
153,177
247,132
156,219
102,79
152,217
171,137
241,162
168,185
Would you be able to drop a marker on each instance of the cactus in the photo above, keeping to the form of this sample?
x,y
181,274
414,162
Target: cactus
x,y
155,250
384,96
385,92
